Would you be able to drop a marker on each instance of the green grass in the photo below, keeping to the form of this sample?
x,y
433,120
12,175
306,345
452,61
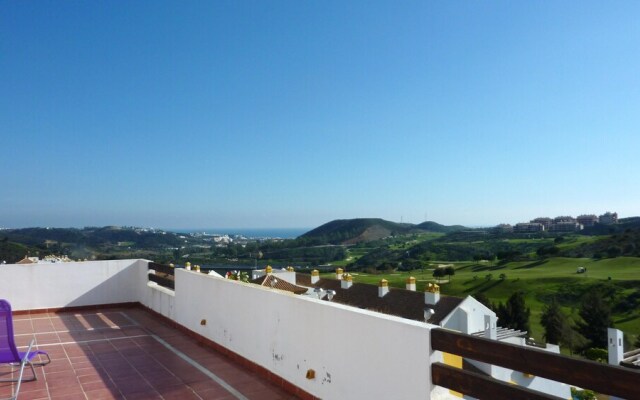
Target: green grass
x,y
536,241
352,255
577,240
540,280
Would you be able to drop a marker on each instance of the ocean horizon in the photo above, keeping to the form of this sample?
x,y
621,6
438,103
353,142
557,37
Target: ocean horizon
x,y
256,233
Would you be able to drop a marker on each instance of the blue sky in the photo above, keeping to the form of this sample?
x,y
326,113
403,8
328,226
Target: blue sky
x,y
292,114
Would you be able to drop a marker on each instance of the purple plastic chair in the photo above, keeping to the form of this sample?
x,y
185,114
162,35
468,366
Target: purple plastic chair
x,y
9,354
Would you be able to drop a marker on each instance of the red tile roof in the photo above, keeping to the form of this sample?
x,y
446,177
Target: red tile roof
x,y
272,281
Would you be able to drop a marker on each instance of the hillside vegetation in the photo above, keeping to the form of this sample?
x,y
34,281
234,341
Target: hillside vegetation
x,y
540,281
90,242
359,230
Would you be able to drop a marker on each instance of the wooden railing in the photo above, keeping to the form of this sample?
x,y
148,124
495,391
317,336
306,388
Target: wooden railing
x,y
167,281
601,378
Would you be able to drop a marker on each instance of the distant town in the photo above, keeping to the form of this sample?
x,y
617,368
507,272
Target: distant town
x,y
560,224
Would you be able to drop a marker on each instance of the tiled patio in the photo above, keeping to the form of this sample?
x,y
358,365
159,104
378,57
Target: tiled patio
x,y
127,354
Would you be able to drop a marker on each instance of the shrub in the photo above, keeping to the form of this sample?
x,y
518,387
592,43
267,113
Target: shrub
x,y
577,394
596,354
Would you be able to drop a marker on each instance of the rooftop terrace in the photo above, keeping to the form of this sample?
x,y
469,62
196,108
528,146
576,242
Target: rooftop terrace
x,y
128,353
114,333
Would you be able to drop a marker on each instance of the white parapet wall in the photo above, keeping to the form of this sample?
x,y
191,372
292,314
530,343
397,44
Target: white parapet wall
x,y
355,354
160,300
73,284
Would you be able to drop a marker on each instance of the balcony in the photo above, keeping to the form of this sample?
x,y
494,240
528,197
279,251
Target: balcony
x,y
114,333
128,353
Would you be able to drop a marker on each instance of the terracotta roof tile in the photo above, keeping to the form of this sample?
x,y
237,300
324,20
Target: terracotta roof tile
x,y
272,281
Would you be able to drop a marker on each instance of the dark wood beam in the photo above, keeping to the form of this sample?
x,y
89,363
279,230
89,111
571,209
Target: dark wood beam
x,y
166,282
482,386
162,268
602,378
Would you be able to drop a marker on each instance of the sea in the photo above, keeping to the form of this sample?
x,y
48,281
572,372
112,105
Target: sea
x,y
252,233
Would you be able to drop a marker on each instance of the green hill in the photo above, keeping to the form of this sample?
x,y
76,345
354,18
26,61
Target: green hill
x,y
351,231
11,252
431,226
91,236
358,230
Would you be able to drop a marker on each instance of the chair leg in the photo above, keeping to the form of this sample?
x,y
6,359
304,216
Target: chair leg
x,y
19,378
41,363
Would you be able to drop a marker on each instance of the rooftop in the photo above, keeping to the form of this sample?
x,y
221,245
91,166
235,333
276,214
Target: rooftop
x,y
114,332
273,282
400,302
128,353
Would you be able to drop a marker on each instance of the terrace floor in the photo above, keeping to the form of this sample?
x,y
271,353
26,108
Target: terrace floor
x,y
127,353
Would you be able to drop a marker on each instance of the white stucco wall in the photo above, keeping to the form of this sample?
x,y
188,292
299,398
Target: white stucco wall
x,y
468,317
356,354
37,286
159,299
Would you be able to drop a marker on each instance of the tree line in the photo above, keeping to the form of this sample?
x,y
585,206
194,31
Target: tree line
x,y
586,336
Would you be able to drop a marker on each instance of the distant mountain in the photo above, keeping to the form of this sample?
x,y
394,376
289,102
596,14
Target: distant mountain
x,y
13,252
91,236
436,227
350,231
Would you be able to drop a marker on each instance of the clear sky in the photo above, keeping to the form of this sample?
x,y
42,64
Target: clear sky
x,y
294,113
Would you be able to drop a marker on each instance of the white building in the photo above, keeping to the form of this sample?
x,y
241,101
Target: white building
x,y
466,315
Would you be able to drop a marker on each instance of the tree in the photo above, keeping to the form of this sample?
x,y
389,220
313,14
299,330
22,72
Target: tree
x,y
450,271
637,344
514,314
503,276
554,323
573,340
545,251
614,251
438,273
596,318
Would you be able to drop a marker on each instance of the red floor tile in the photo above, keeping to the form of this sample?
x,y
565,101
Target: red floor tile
x,y
112,355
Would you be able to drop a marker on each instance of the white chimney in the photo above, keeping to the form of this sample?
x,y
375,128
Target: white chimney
x,y
491,326
315,276
383,288
347,281
411,284
616,347
432,294
339,272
